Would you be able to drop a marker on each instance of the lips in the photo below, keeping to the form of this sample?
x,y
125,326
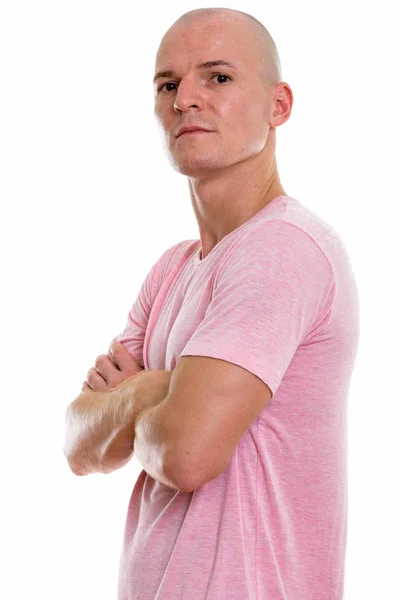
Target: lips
x,y
190,129
193,132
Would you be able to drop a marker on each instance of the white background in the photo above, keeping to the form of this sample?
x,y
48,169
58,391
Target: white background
x,y
89,202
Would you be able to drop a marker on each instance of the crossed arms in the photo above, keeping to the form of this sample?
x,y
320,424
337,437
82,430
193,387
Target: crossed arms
x,y
183,426
104,428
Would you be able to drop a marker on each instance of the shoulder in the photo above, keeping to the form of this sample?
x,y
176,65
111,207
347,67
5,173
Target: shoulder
x,y
275,244
170,258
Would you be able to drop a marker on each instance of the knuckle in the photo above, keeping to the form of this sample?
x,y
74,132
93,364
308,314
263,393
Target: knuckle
x,y
114,381
99,360
91,377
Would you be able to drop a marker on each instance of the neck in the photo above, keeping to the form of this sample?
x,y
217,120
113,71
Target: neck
x,y
227,198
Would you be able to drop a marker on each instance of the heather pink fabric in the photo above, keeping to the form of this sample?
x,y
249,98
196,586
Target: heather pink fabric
x,y
277,296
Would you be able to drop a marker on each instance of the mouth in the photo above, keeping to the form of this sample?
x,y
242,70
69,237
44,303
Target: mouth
x,y
196,131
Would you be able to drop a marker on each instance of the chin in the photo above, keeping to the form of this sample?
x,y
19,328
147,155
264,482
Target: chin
x,y
193,166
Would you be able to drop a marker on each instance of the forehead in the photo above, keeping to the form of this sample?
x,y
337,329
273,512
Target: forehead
x,y
197,40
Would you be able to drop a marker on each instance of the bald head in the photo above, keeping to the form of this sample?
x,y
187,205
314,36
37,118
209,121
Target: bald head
x,y
269,63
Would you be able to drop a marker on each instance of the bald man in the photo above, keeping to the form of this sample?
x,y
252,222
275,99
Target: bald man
x,y
231,378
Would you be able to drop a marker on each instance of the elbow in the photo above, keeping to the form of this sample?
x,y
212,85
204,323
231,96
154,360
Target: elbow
x,y
81,468
185,479
71,436
69,455
74,463
78,468
77,463
194,474
75,447
80,463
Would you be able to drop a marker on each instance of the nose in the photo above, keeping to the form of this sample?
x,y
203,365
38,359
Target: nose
x,y
187,96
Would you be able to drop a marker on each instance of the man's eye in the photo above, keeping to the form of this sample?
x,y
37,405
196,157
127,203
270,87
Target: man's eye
x,y
164,84
173,83
222,75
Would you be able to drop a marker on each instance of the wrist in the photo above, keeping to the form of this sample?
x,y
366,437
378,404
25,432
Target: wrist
x,y
149,390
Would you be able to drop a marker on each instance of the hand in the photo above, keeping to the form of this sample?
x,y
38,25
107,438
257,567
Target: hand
x,y
111,370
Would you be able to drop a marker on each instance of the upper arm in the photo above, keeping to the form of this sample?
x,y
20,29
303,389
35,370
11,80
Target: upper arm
x,y
134,332
210,405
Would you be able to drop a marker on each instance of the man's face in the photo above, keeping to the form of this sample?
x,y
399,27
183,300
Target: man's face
x,y
235,105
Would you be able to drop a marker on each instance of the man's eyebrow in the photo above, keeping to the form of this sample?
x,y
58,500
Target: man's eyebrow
x,y
205,65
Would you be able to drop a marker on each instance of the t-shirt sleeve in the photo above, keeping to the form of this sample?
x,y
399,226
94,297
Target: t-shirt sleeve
x,y
273,290
133,334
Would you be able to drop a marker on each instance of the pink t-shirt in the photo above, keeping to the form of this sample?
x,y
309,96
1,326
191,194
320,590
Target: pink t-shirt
x,y
278,297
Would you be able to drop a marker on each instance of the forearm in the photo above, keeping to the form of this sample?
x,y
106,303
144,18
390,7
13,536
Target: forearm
x,y
152,444
144,433
101,426
100,429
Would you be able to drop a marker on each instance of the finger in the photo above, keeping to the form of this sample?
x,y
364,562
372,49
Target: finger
x,y
86,388
107,369
123,358
113,359
95,380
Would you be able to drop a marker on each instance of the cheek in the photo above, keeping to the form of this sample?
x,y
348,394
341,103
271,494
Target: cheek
x,y
240,115
161,115
231,109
